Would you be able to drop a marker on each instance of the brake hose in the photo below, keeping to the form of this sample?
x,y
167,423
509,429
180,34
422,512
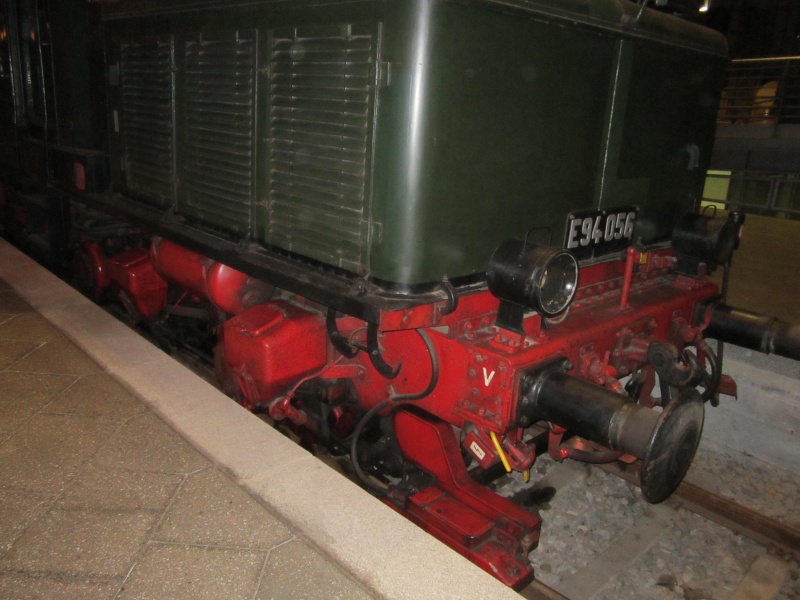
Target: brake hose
x,y
394,402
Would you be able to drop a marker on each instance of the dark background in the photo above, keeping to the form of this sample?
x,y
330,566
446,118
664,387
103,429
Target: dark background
x,y
754,28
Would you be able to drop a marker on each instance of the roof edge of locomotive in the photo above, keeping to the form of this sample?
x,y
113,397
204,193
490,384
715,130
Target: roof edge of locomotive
x,y
613,14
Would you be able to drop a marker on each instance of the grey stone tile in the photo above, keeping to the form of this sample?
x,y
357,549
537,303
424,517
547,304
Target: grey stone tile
x,y
95,395
24,587
114,346
10,302
12,351
17,510
30,326
98,488
24,394
146,443
38,286
44,453
60,356
299,572
211,509
92,543
194,574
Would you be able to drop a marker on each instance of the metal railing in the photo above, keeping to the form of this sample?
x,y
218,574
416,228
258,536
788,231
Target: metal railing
x,y
770,194
762,90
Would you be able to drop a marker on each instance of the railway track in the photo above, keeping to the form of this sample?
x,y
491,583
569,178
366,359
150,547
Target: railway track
x,y
737,540
602,541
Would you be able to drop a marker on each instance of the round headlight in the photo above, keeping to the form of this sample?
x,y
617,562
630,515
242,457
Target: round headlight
x,y
558,283
537,277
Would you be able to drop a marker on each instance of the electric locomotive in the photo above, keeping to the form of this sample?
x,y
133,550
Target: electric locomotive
x,y
415,231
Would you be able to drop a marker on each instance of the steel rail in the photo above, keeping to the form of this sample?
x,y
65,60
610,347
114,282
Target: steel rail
x,y
536,590
723,511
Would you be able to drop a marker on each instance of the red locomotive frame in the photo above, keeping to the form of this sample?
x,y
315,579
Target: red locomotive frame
x,y
452,380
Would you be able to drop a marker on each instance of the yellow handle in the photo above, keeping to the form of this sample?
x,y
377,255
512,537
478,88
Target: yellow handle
x,y
500,452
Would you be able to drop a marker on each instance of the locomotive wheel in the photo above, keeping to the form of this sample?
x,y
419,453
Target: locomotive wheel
x,y
672,445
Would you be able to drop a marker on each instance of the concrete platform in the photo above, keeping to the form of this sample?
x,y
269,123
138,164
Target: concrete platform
x,y
124,475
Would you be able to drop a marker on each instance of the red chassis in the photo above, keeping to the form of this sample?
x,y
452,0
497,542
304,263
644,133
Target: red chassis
x,y
461,373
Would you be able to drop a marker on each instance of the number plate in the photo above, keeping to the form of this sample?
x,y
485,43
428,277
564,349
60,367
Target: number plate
x,y
595,232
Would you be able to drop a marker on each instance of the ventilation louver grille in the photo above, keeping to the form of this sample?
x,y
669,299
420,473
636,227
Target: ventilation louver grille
x,y
147,119
219,129
321,105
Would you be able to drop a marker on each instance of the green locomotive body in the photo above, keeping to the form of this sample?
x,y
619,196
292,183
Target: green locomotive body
x,y
402,141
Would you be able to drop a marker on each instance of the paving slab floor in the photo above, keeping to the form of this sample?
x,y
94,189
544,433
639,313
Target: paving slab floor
x,y
100,498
